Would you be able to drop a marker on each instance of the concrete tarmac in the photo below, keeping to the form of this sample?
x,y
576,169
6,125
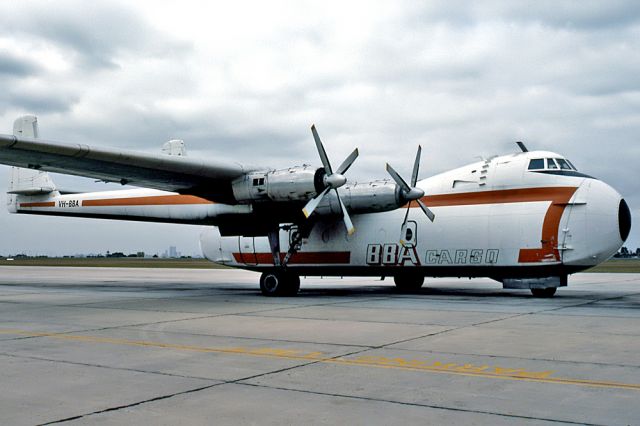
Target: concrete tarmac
x,y
165,347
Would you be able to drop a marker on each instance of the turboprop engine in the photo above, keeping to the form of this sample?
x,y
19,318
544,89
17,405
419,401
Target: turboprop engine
x,y
293,184
323,189
298,183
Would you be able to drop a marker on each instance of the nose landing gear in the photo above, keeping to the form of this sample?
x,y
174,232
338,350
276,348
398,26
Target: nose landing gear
x,y
279,283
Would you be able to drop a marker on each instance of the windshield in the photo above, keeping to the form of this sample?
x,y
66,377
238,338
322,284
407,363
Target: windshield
x,y
551,164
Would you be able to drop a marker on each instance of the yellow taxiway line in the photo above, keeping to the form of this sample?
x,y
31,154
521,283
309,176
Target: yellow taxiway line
x,y
429,366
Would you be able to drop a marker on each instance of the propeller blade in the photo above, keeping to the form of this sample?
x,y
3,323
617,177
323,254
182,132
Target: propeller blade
x,y
321,151
426,211
313,203
398,178
348,162
345,216
416,167
406,215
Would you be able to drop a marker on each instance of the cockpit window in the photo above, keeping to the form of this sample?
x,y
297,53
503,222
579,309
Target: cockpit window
x,y
536,164
551,164
564,164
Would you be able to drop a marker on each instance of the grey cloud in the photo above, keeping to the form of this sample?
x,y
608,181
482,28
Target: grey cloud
x,y
573,15
42,102
93,33
582,15
11,65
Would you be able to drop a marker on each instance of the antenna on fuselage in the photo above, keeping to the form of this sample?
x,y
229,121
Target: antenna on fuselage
x,y
522,147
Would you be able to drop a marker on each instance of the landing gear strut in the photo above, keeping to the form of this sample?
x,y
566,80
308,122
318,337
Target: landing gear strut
x,y
279,283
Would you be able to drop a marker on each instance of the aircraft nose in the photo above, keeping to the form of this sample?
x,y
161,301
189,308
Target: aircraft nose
x,y
599,221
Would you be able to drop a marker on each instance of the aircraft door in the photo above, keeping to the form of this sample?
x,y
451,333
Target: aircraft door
x,y
573,226
246,248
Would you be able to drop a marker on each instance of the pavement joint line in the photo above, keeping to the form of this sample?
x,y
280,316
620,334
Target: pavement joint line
x,y
271,309
417,404
538,312
124,326
134,404
437,333
257,315
468,370
163,397
263,339
596,300
87,305
107,367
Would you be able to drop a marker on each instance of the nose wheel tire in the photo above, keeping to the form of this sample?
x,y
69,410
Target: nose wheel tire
x,y
543,292
277,283
408,283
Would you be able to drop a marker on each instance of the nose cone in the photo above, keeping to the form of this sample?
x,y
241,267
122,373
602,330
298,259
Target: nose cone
x,y
598,223
624,220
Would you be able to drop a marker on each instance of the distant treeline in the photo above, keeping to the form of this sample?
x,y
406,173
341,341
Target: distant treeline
x,y
625,253
116,254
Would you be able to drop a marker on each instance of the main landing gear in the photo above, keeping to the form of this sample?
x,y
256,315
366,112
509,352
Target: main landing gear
x,y
279,283
408,283
543,292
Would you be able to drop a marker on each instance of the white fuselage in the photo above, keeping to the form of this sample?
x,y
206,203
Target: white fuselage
x,y
494,218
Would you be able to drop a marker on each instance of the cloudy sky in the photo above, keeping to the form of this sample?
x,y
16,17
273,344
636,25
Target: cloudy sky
x,y
244,80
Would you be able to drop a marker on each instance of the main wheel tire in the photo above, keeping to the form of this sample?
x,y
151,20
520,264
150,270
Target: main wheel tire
x,y
408,283
277,283
292,285
543,292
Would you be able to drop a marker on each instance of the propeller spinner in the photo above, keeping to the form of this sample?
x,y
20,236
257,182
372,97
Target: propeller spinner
x,y
411,192
331,180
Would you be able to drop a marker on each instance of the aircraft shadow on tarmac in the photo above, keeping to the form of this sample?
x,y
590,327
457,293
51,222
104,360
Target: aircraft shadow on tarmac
x,y
316,290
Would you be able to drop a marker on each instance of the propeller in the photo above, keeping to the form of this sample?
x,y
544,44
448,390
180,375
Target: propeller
x,y
411,192
331,180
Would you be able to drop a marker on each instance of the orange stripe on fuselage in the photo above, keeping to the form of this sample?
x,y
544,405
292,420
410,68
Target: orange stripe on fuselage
x,y
558,196
39,204
157,200
319,257
522,195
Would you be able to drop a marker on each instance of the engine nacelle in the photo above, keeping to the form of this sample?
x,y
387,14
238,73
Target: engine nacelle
x,y
366,197
300,183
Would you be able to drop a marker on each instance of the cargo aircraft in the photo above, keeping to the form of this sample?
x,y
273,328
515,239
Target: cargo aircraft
x,y
527,219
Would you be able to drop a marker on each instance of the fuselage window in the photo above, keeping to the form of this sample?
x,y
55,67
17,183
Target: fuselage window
x,y
551,165
564,165
536,164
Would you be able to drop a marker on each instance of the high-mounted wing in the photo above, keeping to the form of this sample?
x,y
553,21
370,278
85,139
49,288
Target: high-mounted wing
x,y
204,178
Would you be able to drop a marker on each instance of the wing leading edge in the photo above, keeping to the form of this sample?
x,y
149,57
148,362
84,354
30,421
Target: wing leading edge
x,y
205,178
